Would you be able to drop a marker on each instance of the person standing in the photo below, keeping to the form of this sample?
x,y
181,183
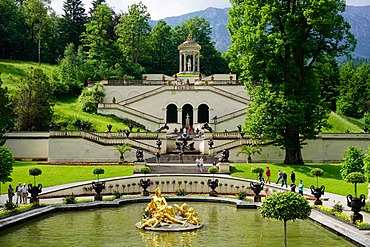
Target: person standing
x,y
181,160
280,176
284,180
10,193
300,187
158,158
197,163
262,179
24,193
18,189
201,163
292,187
292,177
268,174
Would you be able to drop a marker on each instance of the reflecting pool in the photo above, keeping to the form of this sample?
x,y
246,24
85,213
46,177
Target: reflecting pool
x,y
224,225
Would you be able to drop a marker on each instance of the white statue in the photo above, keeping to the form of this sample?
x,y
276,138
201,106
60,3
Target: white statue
x,y
189,64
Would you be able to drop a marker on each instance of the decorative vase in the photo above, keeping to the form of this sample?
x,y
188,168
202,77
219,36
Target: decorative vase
x,y
356,204
34,190
145,184
257,188
213,184
317,193
98,187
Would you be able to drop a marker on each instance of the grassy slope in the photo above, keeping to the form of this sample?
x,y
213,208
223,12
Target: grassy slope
x,y
332,179
340,124
12,71
54,175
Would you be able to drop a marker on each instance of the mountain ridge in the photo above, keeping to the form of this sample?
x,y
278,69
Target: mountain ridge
x,y
357,16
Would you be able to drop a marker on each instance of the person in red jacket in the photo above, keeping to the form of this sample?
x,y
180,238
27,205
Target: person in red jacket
x,y
268,174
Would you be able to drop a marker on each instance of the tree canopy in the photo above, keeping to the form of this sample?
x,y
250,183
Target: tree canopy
x,y
6,164
276,45
6,118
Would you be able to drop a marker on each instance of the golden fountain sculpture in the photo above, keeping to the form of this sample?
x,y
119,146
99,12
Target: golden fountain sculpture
x,y
158,214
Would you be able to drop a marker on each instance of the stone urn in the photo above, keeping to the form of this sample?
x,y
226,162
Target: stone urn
x,y
145,184
257,188
317,193
213,184
34,191
356,204
98,187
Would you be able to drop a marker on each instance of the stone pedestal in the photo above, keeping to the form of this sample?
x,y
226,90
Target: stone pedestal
x,y
224,167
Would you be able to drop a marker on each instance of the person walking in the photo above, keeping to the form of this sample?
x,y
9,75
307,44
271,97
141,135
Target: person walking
x,y
197,164
10,193
300,187
280,176
158,158
181,160
284,180
292,177
262,179
268,174
18,189
292,187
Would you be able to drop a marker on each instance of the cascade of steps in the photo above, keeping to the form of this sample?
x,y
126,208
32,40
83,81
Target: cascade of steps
x,y
189,158
177,169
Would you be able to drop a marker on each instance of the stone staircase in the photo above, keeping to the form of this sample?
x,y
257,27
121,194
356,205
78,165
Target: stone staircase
x,y
188,158
177,169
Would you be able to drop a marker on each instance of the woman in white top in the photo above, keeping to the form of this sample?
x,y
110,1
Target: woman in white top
x,y
197,163
201,164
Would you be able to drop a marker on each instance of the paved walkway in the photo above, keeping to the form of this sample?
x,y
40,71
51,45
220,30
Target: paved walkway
x,y
362,237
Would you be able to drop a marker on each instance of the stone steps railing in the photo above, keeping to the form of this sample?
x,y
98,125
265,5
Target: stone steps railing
x,y
233,144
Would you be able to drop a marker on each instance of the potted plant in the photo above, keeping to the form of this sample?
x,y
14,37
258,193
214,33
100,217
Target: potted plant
x,y
249,150
212,183
145,183
356,203
122,149
114,100
317,192
98,186
212,78
33,189
241,195
257,187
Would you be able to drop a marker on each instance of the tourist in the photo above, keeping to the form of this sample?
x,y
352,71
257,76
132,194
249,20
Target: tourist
x,y
201,163
24,193
10,193
181,160
197,164
158,158
262,179
292,177
280,176
300,187
18,189
284,180
268,174
292,187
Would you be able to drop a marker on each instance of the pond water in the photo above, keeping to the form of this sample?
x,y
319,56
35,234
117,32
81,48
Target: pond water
x,y
224,225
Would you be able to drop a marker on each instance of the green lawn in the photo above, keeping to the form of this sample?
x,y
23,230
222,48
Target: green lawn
x,y
339,124
55,174
331,179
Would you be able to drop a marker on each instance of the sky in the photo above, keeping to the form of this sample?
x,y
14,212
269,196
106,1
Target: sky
x,y
159,9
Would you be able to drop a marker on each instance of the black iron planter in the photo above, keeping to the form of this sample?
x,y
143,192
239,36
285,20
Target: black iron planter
x,y
98,187
317,193
145,184
34,190
213,184
356,204
257,188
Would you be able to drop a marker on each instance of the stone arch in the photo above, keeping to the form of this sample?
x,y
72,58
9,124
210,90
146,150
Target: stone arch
x,y
171,113
203,113
187,109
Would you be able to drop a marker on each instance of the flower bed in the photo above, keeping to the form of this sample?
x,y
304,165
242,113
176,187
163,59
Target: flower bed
x,y
342,217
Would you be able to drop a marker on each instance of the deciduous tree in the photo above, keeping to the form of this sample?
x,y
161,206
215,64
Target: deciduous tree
x,y
276,45
6,118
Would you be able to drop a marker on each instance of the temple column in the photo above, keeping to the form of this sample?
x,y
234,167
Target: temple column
x,y
193,61
179,116
180,62
198,68
195,113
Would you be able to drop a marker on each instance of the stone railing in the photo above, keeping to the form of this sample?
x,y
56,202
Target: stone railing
x,y
103,135
233,144
226,135
161,82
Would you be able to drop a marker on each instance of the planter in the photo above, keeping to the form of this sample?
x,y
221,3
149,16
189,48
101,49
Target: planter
x,y
257,188
356,204
34,191
98,187
317,193
145,184
213,184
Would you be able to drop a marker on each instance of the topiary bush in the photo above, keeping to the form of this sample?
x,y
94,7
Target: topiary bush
x,y
98,172
34,172
318,172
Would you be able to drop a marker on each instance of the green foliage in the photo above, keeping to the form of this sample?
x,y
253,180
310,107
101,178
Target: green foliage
x,y
122,149
6,119
98,171
181,192
249,150
145,169
213,170
70,199
257,170
34,101
353,161
6,164
241,195
11,206
366,161
285,206
318,172
355,177
89,98
116,194
34,172
268,40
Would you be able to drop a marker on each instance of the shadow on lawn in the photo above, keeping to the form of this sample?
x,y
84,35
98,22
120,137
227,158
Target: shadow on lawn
x,y
330,170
